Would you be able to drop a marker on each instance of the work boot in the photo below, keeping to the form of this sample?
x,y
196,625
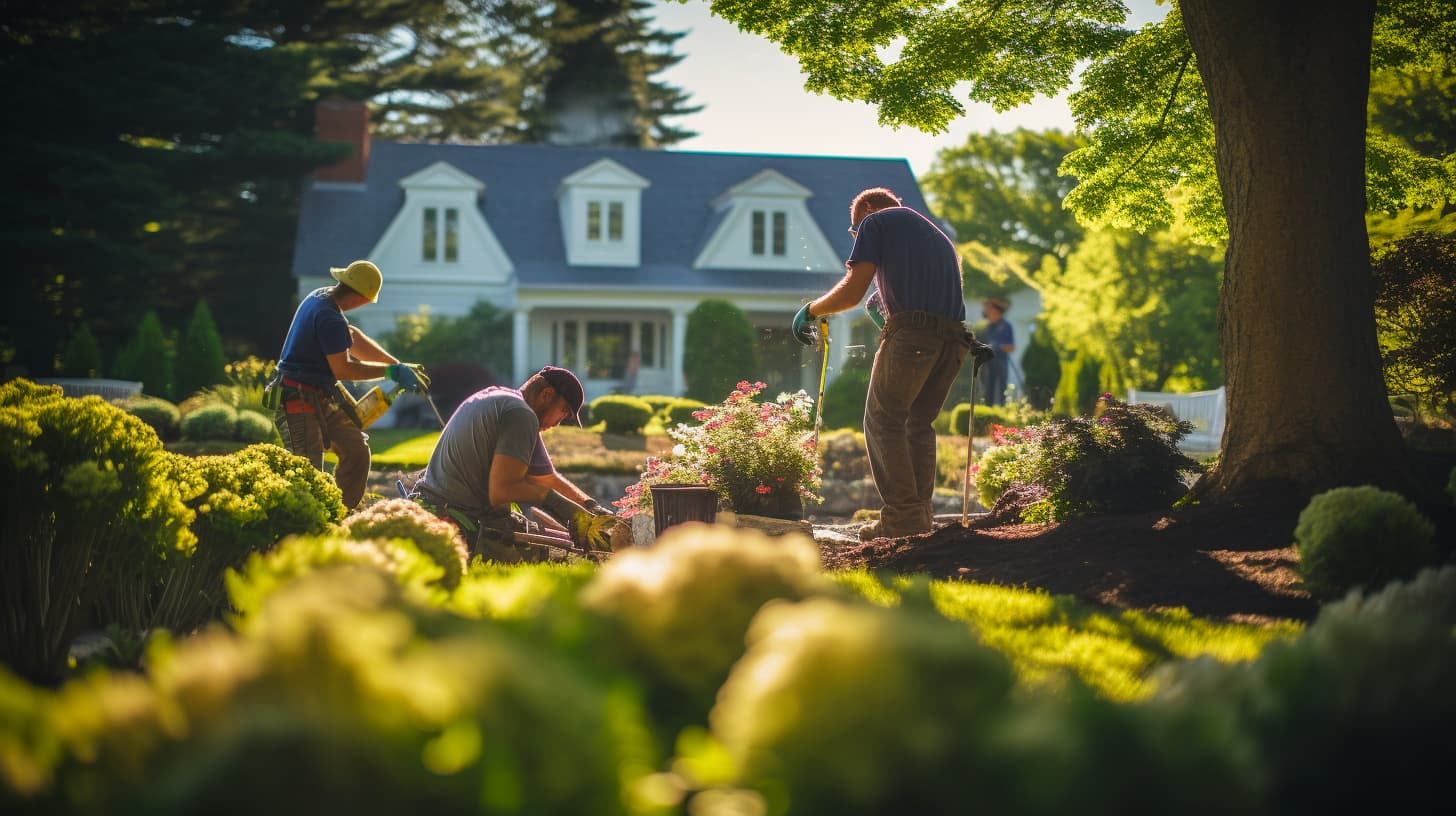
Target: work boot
x,y
876,529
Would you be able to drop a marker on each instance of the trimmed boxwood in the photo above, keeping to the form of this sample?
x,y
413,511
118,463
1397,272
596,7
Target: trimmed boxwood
x,y
680,411
215,421
161,415
254,427
1360,537
622,414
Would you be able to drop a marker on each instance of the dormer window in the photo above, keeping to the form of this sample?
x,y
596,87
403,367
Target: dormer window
x,y
762,241
613,228
437,233
601,215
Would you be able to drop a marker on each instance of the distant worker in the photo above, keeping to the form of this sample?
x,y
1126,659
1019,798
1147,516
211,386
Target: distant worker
x,y
491,454
321,349
1002,339
924,340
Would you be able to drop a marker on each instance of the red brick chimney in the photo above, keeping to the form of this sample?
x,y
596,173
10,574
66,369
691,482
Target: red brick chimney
x,y
347,121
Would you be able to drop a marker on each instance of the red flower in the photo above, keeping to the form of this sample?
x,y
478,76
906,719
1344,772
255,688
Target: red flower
x,y
762,489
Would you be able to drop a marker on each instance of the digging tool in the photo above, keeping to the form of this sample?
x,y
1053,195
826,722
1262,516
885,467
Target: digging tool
x,y
431,400
823,375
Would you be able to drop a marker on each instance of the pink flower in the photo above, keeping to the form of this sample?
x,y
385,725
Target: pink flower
x,y
763,489
781,478
743,385
712,449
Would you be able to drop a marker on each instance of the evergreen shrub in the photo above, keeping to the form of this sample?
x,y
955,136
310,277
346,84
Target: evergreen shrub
x,y
622,414
82,357
402,518
161,415
200,362
1042,369
212,421
254,427
1360,537
147,357
720,349
659,402
85,492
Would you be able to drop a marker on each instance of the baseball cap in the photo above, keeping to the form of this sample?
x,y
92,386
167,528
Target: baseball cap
x,y
568,386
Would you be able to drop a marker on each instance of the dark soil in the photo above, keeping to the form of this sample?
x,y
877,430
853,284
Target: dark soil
x,y
1226,563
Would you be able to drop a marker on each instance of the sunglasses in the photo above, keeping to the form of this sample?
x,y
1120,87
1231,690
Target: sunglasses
x,y
854,232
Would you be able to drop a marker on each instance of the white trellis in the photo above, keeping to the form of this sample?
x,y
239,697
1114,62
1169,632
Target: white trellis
x,y
1204,409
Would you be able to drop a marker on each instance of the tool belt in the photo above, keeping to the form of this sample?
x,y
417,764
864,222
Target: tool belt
x,y
297,397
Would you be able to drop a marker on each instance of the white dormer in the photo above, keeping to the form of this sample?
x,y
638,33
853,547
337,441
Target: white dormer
x,y
440,234
601,215
766,225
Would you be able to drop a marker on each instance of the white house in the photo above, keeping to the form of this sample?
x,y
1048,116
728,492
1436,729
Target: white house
x,y
599,253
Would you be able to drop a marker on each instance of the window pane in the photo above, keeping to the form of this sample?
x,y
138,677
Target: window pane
x,y
614,221
594,220
607,346
429,233
567,356
649,344
780,233
452,234
757,244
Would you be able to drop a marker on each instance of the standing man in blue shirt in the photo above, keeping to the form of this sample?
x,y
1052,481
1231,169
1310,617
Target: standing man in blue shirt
x,y
924,341
1002,339
321,349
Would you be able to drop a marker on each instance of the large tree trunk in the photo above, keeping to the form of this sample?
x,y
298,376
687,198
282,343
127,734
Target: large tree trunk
x,y
1287,83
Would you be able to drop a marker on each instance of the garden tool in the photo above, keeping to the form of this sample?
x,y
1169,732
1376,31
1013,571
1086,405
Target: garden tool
x,y
433,407
823,331
970,450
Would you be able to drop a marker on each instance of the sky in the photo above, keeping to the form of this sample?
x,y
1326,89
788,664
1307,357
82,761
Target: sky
x,y
754,98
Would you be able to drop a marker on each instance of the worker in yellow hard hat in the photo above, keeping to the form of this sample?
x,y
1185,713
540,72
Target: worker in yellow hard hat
x,y
321,349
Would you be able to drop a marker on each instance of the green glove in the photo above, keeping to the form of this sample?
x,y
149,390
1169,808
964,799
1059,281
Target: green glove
x,y
571,515
410,376
804,327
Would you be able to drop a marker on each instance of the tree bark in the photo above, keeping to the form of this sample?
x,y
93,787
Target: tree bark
x,y
1287,84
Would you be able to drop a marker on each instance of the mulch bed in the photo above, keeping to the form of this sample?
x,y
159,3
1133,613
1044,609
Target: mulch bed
x,y
1235,564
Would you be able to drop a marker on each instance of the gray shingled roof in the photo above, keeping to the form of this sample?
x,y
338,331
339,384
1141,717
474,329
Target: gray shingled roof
x,y
338,225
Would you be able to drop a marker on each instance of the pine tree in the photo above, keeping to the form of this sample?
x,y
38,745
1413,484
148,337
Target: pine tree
x,y
199,358
82,357
146,358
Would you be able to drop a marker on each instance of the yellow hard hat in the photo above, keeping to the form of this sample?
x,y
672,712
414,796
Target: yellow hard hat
x,y
361,276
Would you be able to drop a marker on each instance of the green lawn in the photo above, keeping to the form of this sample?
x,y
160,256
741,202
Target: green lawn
x,y
1048,637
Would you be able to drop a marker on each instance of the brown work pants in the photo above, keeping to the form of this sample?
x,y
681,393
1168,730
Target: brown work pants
x,y
302,434
919,357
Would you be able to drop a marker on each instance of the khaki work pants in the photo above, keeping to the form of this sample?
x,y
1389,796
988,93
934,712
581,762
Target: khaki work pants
x,y
301,434
919,357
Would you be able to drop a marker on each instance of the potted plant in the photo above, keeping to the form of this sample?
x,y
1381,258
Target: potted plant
x,y
758,456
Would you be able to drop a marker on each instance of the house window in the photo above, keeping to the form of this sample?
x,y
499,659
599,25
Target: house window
x,y
615,215
607,347
761,240
434,233
563,343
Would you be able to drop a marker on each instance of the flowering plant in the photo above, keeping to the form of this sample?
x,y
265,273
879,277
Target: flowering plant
x,y
752,453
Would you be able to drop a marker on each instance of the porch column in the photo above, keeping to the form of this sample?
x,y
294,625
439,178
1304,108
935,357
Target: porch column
x,y
839,339
520,339
679,342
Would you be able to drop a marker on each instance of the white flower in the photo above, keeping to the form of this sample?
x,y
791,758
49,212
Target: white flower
x,y
679,450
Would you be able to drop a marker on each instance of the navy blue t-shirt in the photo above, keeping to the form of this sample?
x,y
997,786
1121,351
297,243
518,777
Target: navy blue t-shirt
x,y
916,265
319,329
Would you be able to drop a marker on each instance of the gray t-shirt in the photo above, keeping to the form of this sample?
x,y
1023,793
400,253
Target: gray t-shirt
x,y
493,421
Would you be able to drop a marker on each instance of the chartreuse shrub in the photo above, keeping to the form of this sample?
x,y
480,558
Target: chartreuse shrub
x,y
622,414
659,402
1124,459
85,493
1010,415
676,613
402,518
244,503
161,415
344,697
265,574
1360,537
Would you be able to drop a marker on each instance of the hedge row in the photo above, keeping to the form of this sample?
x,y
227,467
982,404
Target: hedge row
x,y
717,672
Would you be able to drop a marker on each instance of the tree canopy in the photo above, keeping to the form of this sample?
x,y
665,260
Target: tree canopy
x,y
1251,116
